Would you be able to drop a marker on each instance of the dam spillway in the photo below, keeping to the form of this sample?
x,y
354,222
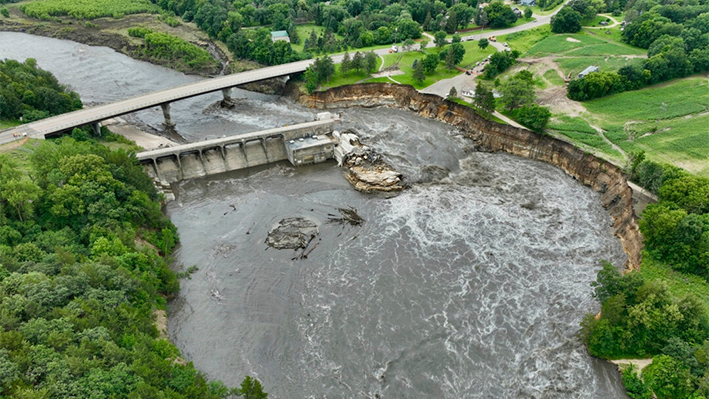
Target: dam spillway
x,y
303,143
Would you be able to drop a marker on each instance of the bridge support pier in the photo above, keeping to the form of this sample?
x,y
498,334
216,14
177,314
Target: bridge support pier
x,y
227,102
166,114
96,127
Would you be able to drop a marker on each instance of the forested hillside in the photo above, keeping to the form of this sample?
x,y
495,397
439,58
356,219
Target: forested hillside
x,y
28,92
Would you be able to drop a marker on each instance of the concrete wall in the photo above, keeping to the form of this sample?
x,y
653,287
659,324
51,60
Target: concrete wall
x,y
211,162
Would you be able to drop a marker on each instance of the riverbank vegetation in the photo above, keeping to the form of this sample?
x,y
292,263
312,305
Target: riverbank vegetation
x,y
84,250
664,318
86,9
176,52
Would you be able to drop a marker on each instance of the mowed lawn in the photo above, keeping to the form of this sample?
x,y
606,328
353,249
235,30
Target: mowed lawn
x,y
580,45
677,132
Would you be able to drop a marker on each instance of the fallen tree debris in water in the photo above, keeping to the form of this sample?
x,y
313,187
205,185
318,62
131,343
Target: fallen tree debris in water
x,y
349,215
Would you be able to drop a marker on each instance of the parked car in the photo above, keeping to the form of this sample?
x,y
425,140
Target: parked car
x,y
505,44
492,38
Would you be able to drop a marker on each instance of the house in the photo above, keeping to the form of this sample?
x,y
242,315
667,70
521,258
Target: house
x,y
279,35
528,3
588,70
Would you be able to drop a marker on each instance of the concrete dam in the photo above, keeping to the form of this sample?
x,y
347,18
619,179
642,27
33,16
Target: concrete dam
x,y
301,144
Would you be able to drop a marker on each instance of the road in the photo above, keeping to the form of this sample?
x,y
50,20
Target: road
x,y
70,120
467,82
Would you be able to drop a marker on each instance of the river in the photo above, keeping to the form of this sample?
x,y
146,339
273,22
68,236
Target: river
x,y
470,284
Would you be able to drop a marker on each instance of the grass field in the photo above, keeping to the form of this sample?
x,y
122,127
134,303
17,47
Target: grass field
x,y
596,21
580,131
680,284
5,124
405,62
352,77
524,40
680,136
580,44
574,65
473,53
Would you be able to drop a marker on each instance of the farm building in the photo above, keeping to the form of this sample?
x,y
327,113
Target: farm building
x,y
279,35
588,70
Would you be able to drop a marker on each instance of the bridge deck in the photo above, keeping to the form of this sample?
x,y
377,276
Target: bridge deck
x,y
78,118
279,131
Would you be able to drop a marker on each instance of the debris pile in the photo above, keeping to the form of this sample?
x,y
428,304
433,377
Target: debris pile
x,y
347,216
292,233
365,169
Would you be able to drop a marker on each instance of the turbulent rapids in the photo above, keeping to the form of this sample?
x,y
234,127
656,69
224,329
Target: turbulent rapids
x,y
469,284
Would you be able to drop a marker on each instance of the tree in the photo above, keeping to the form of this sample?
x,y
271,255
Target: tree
x,y
483,43
345,64
451,22
566,21
423,44
325,68
668,378
440,39
370,61
408,44
21,194
456,39
458,52
527,13
533,116
357,62
450,59
484,98
500,15
419,72
430,63
453,92
251,389
517,92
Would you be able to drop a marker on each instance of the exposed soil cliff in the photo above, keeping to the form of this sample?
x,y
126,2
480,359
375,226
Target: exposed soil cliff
x,y
603,177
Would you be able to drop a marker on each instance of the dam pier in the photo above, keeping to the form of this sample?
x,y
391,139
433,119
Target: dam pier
x,y
301,144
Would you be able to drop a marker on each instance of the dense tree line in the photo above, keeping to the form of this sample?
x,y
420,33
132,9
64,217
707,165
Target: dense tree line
x,y
173,49
31,93
677,39
360,23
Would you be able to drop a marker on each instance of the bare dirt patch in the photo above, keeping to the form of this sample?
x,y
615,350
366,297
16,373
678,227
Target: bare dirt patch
x,y
571,39
555,98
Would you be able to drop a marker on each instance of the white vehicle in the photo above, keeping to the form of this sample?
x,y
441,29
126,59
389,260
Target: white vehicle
x,y
505,44
468,93
394,49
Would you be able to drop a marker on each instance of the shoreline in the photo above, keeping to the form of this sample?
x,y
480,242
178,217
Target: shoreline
x,y
489,136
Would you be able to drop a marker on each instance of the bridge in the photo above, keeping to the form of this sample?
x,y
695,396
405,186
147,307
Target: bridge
x,y
172,164
93,116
